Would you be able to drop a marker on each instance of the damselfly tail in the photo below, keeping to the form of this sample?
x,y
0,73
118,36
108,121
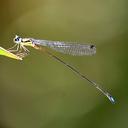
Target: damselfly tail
x,y
83,77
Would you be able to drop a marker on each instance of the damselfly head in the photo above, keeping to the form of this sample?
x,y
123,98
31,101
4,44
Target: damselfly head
x,y
17,39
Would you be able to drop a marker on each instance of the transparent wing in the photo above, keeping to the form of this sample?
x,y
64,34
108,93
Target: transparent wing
x,y
68,47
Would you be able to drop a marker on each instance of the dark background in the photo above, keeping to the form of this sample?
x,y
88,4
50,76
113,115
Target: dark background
x,y
39,92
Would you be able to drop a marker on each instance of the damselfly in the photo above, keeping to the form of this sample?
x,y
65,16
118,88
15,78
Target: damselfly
x,y
75,49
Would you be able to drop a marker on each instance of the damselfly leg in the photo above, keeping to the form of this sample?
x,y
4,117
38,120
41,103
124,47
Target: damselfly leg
x,y
12,49
23,51
20,50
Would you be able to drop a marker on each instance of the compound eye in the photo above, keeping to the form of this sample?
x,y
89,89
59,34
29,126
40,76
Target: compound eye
x,y
17,39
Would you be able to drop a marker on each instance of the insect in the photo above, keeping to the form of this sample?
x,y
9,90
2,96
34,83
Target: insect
x,y
70,48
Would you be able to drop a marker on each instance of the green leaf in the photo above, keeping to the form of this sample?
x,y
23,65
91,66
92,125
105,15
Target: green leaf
x,y
6,53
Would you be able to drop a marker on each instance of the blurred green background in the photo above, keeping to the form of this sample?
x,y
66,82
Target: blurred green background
x,y
39,92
